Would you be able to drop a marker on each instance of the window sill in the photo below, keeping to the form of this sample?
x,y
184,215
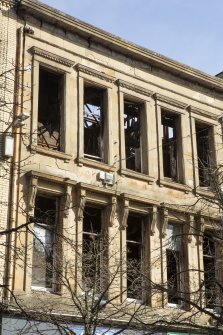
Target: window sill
x,y
95,164
137,175
205,192
173,184
51,153
42,289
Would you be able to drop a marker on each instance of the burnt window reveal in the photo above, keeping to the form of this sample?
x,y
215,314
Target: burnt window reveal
x,y
174,263
132,136
94,111
209,269
134,247
204,153
50,108
43,242
93,251
169,145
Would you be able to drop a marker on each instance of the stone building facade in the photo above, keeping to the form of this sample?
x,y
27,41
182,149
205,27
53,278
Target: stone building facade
x,y
120,141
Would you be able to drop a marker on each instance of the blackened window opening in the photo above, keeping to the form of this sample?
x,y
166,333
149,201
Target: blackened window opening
x,y
134,257
173,277
50,105
169,146
203,154
132,136
43,242
209,270
92,249
93,122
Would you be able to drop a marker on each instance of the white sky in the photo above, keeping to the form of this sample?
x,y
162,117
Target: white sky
x,y
189,31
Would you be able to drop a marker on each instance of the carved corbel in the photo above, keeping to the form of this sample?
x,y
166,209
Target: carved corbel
x,y
32,193
67,200
188,228
164,221
153,218
124,213
110,211
200,229
81,204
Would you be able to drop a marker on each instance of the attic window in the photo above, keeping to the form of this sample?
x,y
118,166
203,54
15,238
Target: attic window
x,y
50,108
169,145
94,123
204,153
132,136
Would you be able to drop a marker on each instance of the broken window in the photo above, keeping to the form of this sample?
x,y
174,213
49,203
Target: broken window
x,y
132,136
209,269
43,242
93,249
50,108
169,145
134,241
174,263
94,122
203,138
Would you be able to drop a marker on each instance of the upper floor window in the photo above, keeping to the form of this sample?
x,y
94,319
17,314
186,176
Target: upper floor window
x,y
209,258
50,108
132,128
43,265
169,145
94,123
174,261
205,152
134,246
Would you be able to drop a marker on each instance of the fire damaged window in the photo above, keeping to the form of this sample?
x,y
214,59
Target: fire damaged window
x,y
132,136
46,216
134,241
209,259
204,153
94,112
50,109
93,249
174,263
169,145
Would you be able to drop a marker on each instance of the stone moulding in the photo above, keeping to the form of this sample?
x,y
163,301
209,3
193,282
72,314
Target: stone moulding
x,y
162,98
94,73
7,3
52,56
202,112
133,87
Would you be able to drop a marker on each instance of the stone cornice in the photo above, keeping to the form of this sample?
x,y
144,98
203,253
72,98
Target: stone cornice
x,y
8,3
135,88
92,72
40,10
51,56
50,178
204,113
162,98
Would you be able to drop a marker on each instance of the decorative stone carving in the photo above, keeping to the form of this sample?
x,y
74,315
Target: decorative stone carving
x,y
124,213
153,222
32,193
67,200
200,229
188,229
135,88
94,73
164,221
81,203
110,211
51,56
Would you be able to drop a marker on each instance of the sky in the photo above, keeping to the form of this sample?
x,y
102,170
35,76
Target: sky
x,y
189,31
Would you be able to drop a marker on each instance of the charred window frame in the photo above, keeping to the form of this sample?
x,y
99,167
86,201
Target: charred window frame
x,y
132,128
46,220
94,122
174,264
170,145
50,109
135,257
209,259
205,153
94,250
